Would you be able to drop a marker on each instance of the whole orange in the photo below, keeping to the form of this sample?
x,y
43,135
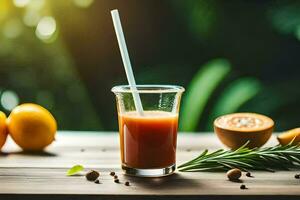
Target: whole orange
x,y
3,129
31,126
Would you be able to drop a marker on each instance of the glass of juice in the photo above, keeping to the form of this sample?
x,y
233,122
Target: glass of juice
x,y
148,139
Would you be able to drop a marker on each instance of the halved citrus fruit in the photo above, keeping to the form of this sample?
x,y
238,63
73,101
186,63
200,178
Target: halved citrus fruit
x,y
235,130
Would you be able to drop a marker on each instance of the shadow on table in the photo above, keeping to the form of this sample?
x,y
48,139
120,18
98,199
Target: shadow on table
x,y
29,153
174,181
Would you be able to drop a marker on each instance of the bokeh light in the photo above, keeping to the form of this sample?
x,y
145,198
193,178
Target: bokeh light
x,y
31,18
21,3
33,12
36,4
83,3
46,28
9,99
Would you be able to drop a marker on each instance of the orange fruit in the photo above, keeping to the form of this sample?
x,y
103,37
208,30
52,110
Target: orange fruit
x,y
3,129
31,126
289,136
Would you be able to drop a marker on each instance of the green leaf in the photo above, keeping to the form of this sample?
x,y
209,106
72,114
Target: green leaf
x,y
200,89
268,159
74,170
233,97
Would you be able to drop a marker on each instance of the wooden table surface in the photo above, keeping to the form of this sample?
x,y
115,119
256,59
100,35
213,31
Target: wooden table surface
x,y
25,176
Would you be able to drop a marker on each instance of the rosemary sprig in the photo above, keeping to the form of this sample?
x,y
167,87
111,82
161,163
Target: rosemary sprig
x,y
268,159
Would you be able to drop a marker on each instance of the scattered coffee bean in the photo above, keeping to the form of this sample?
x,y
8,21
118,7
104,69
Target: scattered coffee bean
x,y
115,177
112,173
297,176
117,181
82,150
97,181
127,183
248,174
243,187
92,175
234,174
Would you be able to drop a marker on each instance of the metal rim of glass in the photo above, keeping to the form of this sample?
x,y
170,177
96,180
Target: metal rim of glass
x,y
148,89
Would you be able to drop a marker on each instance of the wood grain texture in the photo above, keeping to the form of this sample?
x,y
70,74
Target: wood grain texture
x,y
27,176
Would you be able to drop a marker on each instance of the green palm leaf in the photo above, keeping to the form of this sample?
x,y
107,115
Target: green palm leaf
x,y
199,91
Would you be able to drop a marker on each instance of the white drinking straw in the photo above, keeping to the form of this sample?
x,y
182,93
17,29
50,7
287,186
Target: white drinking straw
x,y
126,61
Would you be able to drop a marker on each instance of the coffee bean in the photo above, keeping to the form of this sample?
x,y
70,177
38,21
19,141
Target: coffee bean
x,y
248,174
243,187
112,173
92,175
117,181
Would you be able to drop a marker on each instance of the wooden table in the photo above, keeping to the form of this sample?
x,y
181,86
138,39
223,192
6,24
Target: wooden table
x,y
25,176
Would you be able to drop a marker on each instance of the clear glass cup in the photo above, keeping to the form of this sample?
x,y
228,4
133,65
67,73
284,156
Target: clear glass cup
x,y
148,141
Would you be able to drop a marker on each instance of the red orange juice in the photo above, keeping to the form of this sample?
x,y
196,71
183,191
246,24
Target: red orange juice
x,y
148,141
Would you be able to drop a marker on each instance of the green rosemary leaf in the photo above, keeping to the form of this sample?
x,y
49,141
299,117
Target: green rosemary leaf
x,y
268,159
199,157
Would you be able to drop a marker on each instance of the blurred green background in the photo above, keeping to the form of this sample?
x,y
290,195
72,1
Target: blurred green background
x,y
231,56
